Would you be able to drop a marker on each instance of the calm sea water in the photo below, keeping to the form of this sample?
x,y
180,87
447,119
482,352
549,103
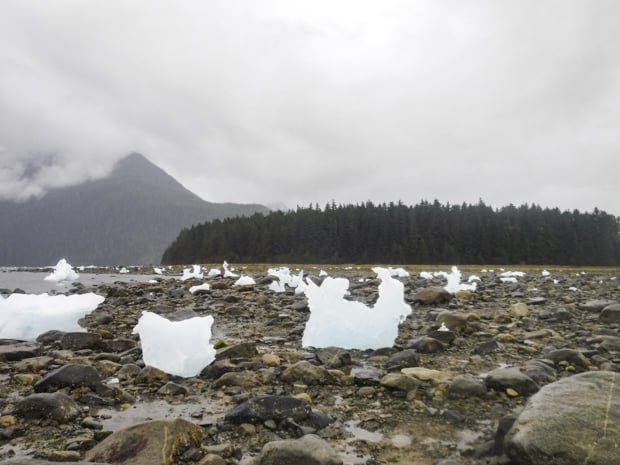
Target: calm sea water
x,y
33,282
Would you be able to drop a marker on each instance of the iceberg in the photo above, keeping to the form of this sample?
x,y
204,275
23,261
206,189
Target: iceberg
x,y
63,272
180,348
26,316
335,321
193,272
244,281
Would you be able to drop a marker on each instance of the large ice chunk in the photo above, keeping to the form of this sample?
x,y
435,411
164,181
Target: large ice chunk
x,y
179,348
335,321
26,316
193,272
454,282
63,271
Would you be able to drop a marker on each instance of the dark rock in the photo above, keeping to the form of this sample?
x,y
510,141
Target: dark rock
x,y
403,359
172,389
50,406
572,356
432,295
19,351
151,375
119,345
540,372
277,408
427,345
366,376
308,450
610,344
333,357
243,350
610,314
501,379
245,379
79,341
487,347
447,337
463,386
573,421
70,376
596,305
50,336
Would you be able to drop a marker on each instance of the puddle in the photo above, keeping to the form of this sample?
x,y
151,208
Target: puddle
x,y
361,434
204,412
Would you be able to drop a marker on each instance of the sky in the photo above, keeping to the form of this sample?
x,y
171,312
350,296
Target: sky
x,y
297,102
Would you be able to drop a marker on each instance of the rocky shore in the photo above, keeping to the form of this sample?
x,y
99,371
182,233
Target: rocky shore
x,y
527,373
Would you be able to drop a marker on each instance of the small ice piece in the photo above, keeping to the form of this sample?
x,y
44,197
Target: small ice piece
x,y
512,274
228,272
398,272
545,273
473,278
335,321
202,287
26,316
152,281
443,327
244,281
426,275
573,288
277,286
157,270
322,273
63,271
214,272
454,282
123,270
555,281
510,279
193,272
286,278
179,348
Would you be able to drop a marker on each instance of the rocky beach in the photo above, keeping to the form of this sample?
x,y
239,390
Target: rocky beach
x,y
513,373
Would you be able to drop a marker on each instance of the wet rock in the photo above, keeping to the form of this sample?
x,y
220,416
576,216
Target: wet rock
x,y
245,350
333,357
307,373
540,372
150,443
427,345
172,389
610,314
403,359
49,337
79,341
570,422
19,351
151,375
277,408
502,379
432,296
366,376
119,345
597,305
49,406
463,386
308,450
71,376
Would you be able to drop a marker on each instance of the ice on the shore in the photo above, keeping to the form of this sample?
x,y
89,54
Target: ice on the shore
x,y
335,321
454,282
398,272
323,273
180,348
157,270
509,279
285,278
123,270
202,287
512,274
228,272
26,316
193,272
545,273
214,272
63,272
244,281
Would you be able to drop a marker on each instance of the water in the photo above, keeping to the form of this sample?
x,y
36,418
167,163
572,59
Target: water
x,y
33,282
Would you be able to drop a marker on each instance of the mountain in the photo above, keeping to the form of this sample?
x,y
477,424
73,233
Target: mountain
x,y
128,217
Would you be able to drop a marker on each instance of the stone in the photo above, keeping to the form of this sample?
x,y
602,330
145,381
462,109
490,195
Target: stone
x,y
307,373
243,350
573,421
80,340
151,375
366,376
48,406
432,295
19,351
457,322
333,357
464,386
610,314
597,305
34,364
308,450
212,459
271,360
403,359
519,310
244,379
427,345
259,409
572,356
149,443
501,379
487,347
400,382
71,376
172,389
426,374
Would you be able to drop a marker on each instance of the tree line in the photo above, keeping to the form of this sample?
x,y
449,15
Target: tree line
x,y
425,233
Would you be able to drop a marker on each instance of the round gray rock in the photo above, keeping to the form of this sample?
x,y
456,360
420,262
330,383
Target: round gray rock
x,y
308,450
573,421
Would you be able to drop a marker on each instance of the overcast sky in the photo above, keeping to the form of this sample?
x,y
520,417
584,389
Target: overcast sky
x,y
298,102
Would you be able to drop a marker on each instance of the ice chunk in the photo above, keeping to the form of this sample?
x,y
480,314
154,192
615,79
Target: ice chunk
x,y
202,287
335,321
26,316
123,270
454,282
510,279
63,271
286,278
322,273
398,272
512,274
426,275
545,273
157,270
193,272
180,348
244,281
228,272
214,272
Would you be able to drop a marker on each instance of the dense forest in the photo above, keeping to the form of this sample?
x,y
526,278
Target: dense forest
x,y
426,233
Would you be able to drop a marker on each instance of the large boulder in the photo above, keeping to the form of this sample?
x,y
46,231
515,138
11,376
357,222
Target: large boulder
x,y
157,442
260,409
48,406
308,450
573,421
432,295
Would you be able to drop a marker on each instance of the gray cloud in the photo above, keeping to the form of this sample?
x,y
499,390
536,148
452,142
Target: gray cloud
x,y
301,102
